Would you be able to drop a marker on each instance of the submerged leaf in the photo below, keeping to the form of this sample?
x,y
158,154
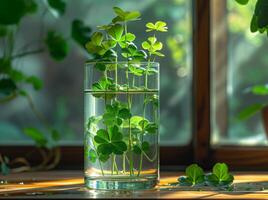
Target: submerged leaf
x,y
111,142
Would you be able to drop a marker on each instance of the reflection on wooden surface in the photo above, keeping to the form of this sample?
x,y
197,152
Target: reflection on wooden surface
x,y
69,184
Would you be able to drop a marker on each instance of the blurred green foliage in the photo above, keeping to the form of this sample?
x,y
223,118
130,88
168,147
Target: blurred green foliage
x,y
13,82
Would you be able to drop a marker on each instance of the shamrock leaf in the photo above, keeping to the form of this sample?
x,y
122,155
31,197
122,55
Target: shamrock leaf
x,y
220,175
158,26
115,114
116,34
57,45
144,147
103,157
194,175
102,86
111,142
132,53
96,45
80,32
124,113
152,45
136,70
124,16
126,39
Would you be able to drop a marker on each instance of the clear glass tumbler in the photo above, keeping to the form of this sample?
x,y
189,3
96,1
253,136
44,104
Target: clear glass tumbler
x,y
121,138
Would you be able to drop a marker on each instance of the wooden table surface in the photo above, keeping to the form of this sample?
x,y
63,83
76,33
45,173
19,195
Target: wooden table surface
x,y
69,184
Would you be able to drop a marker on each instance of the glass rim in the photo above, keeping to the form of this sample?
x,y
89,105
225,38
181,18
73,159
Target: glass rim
x,y
121,62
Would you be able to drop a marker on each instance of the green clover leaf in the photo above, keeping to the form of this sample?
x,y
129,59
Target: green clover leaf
x,y
115,114
96,45
158,26
136,70
152,45
125,16
102,86
194,175
116,34
220,175
111,142
132,53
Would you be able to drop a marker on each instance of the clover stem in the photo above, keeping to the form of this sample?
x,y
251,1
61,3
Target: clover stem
x,y
140,167
148,158
112,165
116,78
124,163
144,109
130,138
98,158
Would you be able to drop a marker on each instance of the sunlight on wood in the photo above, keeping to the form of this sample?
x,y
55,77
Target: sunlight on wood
x,y
71,184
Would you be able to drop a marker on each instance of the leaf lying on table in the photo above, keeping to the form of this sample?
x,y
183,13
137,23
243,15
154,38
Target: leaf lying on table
x,y
194,175
220,175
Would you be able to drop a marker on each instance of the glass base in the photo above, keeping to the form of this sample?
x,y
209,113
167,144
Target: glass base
x,y
116,183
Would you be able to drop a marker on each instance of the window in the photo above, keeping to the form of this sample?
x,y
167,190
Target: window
x,y
239,64
202,93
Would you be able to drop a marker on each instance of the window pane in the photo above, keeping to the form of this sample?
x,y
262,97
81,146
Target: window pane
x,y
239,63
61,99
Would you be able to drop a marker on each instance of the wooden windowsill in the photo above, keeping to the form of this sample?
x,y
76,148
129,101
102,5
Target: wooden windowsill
x,y
69,184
